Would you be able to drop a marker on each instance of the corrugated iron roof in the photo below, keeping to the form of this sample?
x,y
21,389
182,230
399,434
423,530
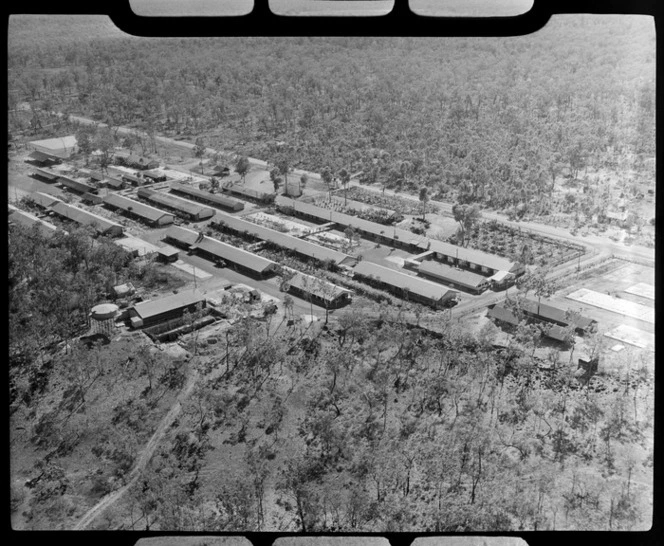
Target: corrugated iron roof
x,y
427,289
49,175
44,200
28,220
451,274
148,309
136,207
184,236
238,256
83,217
346,220
176,203
283,240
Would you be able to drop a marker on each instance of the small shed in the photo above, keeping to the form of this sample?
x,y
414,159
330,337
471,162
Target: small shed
x,y
168,254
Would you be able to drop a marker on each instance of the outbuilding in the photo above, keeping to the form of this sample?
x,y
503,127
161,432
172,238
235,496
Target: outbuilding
x,y
149,313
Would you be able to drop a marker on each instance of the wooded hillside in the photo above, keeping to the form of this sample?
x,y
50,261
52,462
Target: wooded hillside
x,y
491,120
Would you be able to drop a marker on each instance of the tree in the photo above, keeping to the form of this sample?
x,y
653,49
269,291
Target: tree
x,y
283,165
242,167
327,177
305,178
105,143
276,179
344,176
537,283
84,141
467,216
424,199
214,184
199,148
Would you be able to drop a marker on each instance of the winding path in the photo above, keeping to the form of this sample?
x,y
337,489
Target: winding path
x,y
144,457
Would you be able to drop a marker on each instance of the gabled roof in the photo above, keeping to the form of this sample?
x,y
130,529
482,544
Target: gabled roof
x,y
44,200
451,274
83,217
235,255
59,146
347,220
121,202
473,256
114,183
247,192
40,156
176,203
544,312
300,246
184,236
49,175
317,287
28,220
550,313
212,198
415,285
77,185
503,314
148,309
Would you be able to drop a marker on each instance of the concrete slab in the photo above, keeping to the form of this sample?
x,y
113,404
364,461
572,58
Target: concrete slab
x,y
642,289
632,336
615,305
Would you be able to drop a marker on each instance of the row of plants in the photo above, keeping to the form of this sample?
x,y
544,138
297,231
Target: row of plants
x,y
510,243
377,215
402,205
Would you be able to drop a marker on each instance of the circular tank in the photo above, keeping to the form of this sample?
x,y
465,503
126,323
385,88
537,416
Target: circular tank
x,y
104,311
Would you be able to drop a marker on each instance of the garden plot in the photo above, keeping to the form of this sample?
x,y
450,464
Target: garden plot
x,y
328,239
633,336
273,222
642,289
615,305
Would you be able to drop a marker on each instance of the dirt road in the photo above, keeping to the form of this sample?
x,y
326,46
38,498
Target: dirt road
x,y
144,457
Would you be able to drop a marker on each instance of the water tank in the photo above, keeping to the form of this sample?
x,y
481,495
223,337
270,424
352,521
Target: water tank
x,y
102,319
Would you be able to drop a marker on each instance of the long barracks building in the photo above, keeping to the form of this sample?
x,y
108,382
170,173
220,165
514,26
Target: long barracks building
x,y
233,224
242,260
498,269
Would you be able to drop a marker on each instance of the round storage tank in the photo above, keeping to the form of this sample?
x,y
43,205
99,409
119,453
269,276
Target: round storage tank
x,y
102,319
104,311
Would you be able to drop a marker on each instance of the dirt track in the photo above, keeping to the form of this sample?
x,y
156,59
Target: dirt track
x,y
143,458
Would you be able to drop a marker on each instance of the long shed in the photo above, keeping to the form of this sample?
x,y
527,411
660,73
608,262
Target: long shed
x,y
404,285
85,218
151,215
25,219
456,278
244,261
149,313
180,206
233,224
